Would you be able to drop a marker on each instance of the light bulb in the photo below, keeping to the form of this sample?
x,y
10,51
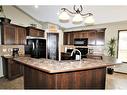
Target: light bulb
x,y
77,19
89,20
64,17
36,6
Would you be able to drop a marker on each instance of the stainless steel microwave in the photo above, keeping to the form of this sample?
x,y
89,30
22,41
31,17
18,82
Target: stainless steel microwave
x,y
81,41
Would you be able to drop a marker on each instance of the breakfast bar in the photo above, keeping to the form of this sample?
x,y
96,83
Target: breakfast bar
x,y
68,74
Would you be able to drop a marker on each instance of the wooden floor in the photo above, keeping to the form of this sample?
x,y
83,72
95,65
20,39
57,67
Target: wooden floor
x,y
114,81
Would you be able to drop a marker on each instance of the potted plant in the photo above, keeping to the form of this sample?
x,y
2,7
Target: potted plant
x,y
111,52
111,47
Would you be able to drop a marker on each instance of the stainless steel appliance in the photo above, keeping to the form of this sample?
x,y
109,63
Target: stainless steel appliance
x,y
81,41
36,47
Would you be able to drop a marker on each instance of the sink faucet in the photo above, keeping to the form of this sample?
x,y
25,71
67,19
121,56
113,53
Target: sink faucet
x,y
76,58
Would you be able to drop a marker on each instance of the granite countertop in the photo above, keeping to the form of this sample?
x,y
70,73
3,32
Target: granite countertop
x,y
53,66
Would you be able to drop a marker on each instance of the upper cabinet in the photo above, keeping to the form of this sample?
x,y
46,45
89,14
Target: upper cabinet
x,y
100,37
20,35
13,34
69,38
92,37
8,31
31,31
16,35
95,37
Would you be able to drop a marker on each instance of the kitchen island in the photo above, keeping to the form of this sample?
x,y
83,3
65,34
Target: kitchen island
x,y
67,74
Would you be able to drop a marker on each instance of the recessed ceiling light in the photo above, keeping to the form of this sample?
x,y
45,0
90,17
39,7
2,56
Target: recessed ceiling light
x,y
36,6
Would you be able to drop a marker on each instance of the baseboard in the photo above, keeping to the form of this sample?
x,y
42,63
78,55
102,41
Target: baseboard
x,y
120,72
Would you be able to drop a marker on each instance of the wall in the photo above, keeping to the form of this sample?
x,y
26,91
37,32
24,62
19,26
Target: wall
x,y
111,31
18,17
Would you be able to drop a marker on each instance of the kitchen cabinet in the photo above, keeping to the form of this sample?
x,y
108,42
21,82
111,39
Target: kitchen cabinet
x,y
65,39
95,36
100,38
35,32
13,34
20,35
8,32
68,38
92,38
11,69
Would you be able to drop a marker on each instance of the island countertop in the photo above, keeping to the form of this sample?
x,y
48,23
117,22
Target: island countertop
x,y
54,66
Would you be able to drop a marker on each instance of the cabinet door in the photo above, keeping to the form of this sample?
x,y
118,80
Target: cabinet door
x,y
100,38
91,37
33,32
36,32
65,38
71,38
84,34
20,36
14,69
76,35
41,33
9,34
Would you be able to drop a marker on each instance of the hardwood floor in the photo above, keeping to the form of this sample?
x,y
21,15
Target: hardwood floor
x,y
114,81
13,84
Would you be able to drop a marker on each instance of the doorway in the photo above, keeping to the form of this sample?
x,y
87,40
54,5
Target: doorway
x,y
53,46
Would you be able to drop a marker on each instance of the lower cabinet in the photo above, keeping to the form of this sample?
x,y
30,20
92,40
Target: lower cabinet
x,y
12,69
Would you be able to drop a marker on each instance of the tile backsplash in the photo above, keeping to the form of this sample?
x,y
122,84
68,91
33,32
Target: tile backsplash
x,y
96,49
6,50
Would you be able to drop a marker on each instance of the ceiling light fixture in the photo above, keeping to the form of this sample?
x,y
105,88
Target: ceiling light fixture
x,y
78,16
36,6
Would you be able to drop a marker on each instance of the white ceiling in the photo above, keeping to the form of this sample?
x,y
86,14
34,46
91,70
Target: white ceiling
x,y
102,14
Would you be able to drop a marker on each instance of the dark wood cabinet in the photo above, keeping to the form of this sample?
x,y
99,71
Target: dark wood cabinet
x,y
16,35
8,32
82,79
100,37
20,35
13,34
12,69
68,38
65,39
31,31
92,37
95,36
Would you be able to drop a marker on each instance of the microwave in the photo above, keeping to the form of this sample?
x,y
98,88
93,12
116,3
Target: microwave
x,y
81,41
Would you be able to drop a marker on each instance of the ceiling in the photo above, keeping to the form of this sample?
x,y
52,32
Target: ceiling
x,y
102,14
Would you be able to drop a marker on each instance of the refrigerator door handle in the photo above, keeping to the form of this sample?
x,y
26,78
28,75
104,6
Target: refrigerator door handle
x,y
33,45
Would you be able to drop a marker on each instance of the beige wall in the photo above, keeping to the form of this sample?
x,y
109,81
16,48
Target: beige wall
x,y
111,30
18,17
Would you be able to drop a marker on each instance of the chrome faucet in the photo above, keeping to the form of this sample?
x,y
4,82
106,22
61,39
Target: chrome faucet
x,y
76,58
